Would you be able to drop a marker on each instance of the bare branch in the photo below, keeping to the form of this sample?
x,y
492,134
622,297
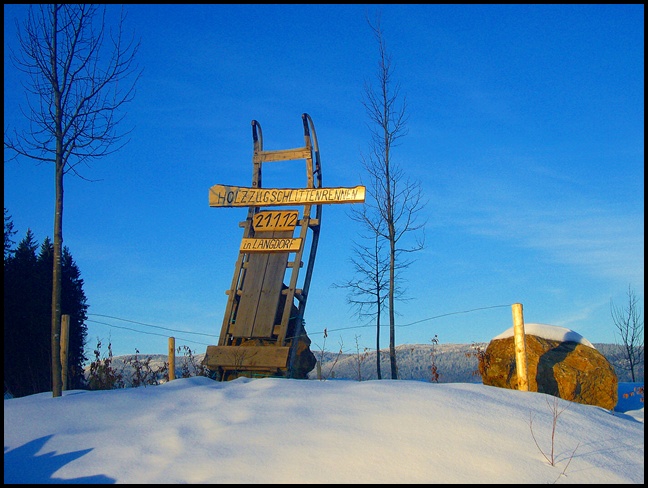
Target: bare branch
x,y
73,98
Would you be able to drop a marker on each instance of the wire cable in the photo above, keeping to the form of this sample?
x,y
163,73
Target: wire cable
x,y
148,333
419,321
149,325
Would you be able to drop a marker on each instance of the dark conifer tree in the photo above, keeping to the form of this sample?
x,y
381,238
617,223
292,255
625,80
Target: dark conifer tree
x,y
42,343
9,232
21,308
9,250
73,303
27,311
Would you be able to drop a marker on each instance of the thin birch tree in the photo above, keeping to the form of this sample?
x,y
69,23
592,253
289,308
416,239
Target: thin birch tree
x,y
394,201
80,76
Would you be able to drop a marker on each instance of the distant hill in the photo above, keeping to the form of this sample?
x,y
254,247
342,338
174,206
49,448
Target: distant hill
x,y
456,363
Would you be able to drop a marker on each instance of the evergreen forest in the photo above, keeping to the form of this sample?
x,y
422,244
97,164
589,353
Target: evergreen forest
x,y
28,273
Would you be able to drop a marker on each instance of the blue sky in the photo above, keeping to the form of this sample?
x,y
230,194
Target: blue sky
x,y
525,130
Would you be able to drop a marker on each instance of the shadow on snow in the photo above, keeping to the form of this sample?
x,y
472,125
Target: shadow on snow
x,y
22,465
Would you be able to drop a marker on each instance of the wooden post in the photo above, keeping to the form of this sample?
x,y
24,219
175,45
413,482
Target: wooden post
x,y
171,358
65,345
520,347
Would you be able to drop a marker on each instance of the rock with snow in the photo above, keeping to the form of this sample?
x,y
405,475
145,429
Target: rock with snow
x,y
560,362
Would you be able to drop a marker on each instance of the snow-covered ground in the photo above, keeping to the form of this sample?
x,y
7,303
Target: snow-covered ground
x,y
276,430
273,430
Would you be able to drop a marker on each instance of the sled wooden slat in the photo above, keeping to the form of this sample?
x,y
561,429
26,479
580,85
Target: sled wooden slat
x,y
246,357
284,154
261,291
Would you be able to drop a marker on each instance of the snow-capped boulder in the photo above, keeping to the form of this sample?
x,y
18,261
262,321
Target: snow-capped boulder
x,y
560,362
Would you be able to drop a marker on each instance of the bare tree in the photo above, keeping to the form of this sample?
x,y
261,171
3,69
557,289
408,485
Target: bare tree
x,y
369,286
630,326
394,201
77,86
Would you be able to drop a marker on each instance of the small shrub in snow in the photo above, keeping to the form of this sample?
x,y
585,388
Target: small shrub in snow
x,y
434,370
190,365
102,374
144,374
483,359
550,453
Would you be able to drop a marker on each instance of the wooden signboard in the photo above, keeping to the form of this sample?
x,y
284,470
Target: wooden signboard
x,y
272,244
239,196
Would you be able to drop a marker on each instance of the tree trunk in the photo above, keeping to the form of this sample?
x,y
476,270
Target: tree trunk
x,y
59,167
392,314
56,286
378,374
